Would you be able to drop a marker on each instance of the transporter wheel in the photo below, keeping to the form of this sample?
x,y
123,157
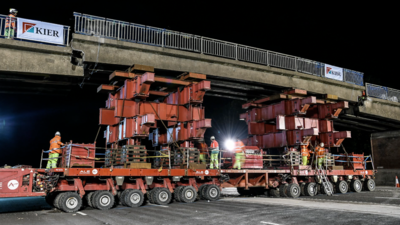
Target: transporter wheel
x,y
303,189
369,185
70,202
310,189
212,192
325,190
355,186
103,200
133,198
89,199
188,194
151,195
200,195
177,192
122,197
342,187
282,190
274,192
162,196
56,201
293,190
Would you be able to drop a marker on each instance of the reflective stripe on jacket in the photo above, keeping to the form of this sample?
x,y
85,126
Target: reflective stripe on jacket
x,y
12,17
56,143
239,147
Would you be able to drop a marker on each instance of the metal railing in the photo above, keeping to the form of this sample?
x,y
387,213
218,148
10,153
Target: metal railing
x,y
137,33
3,19
382,92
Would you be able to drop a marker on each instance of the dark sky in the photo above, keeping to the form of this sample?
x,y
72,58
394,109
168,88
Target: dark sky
x,y
355,36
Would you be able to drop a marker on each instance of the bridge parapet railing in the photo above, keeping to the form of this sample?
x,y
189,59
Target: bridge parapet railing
x,y
108,28
382,92
63,39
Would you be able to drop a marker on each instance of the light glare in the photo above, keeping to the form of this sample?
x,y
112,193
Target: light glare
x,y
229,144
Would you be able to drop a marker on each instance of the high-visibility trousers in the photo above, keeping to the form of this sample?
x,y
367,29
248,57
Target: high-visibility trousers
x,y
239,160
320,161
305,160
203,158
9,32
214,160
52,163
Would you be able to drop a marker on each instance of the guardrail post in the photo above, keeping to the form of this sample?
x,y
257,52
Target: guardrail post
x,y
162,38
236,54
201,45
295,64
68,36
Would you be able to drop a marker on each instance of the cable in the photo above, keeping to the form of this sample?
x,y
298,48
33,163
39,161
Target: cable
x,y
97,60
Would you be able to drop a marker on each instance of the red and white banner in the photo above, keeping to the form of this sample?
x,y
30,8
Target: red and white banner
x,y
333,72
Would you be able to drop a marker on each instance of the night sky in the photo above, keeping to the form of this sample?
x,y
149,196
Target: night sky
x,y
360,37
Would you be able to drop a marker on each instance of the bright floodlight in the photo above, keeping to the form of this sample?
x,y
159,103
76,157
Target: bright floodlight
x,y
229,144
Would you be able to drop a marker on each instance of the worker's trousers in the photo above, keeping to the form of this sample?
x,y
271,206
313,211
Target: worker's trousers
x,y
239,160
320,161
52,163
305,160
203,158
9,33
214,160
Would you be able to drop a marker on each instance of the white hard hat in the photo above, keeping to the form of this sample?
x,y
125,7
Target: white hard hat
x,y
212,138
58,133
13,10
322,144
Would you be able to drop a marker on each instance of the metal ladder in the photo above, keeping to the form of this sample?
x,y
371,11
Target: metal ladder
x,y
324,179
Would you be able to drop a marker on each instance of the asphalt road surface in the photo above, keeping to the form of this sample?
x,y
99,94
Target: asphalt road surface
x,y
379,207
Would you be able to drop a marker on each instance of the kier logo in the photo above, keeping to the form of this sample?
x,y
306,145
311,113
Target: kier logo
x,y
330,71
13,184
28,27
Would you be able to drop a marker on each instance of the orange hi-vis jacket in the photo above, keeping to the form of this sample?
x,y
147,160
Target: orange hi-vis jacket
x,y
239,147
12,22
305,151
214,146
320,151
202,148
56,143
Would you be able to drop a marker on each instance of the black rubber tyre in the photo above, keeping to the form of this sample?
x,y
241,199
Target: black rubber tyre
x,y
356,186
369,185
310,189
199,193
88,199
188,194
151,195
274,192
342,187
133,198
122,198
56,201
302,189
323,191
177,193
293,190
103,200
282,190
162,196
70,202
213,192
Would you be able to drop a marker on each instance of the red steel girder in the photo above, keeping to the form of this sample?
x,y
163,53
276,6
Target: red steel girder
x,y
334,139
331,110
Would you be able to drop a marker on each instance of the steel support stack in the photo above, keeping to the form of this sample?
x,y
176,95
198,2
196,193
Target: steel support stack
x,y
143,106
288,120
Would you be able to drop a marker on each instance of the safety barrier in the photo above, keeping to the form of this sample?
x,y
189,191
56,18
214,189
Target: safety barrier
x,y
3,19
137,33
382,92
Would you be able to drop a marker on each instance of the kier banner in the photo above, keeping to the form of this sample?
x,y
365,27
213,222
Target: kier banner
x,y
40,31
333,72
